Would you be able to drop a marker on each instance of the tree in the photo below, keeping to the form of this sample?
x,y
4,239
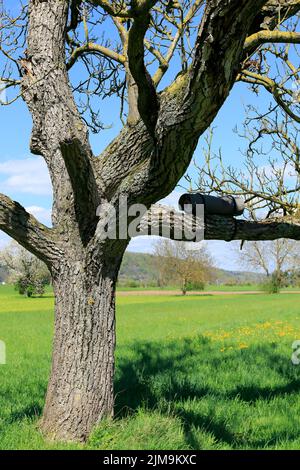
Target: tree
x,y
272,257
73,55
26,271
176,263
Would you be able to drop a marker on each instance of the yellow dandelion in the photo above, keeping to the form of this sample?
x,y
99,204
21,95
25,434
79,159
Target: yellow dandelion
x,y
225,335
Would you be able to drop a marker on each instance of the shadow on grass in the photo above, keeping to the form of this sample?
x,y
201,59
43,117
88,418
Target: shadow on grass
x,y
177,377
238,399
24,406
32,411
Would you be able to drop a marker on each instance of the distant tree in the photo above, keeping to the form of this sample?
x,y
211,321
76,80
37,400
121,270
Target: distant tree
x,y
273,258
26,271
292,278
176,263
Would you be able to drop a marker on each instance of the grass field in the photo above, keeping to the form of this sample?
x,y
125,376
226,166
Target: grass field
x,y
192,373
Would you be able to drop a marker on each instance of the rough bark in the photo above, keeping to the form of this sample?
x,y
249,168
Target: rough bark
x,y
80,391
159,220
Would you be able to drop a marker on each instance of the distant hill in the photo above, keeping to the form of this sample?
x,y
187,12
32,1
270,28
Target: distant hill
x,y
238,277
140,268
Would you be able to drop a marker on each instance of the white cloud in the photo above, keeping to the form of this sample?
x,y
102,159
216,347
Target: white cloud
x,y
42,214
28,176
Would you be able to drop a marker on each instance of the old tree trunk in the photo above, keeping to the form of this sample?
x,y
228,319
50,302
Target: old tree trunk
x,y
80,391
144,163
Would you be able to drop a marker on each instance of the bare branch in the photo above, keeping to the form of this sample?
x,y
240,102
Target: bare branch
x,y
165,60
217,227
269,178
272,87
147,100
211,84
26,230
273,13
255,40
92,48
120,12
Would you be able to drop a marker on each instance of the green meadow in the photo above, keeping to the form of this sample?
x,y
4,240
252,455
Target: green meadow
x,y
196,372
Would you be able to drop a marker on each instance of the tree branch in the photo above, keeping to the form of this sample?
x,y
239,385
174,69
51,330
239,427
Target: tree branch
x,y
255,40
274,13
147,100
110,9
269,229
272,87
219,46
91,48
79,163
189,105
26,230
165,60
158,221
